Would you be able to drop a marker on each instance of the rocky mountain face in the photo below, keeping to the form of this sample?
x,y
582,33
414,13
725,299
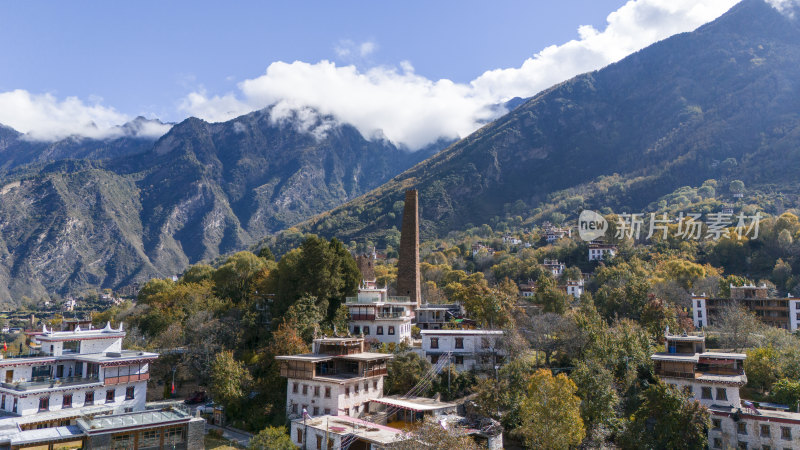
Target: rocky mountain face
x,y
81,214
659,119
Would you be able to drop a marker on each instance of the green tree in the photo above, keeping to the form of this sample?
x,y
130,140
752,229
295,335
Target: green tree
x,y
230,381
665,419
550,297
786,392
404,372
599,398
762,367
550,412
307,315
231,280
197,273
266,253
271,438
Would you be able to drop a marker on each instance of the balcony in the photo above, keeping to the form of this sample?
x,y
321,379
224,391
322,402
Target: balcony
x,y
48,382
127,378
362,316
390,315
675,374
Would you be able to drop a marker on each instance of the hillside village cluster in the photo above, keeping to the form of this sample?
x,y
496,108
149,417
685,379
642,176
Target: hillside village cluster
x,y
78,388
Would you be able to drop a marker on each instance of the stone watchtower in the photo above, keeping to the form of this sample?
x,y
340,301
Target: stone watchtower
x,y
408,278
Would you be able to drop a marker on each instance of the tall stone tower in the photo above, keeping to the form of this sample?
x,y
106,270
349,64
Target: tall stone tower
x,y
408,279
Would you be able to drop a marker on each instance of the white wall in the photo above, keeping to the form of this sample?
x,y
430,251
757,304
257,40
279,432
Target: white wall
x,y
794,314
101,345
699,312
730,437
338,400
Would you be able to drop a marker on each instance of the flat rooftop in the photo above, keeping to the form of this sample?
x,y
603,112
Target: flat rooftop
x,y
46,435
137,419
343,426
419,404
679,357
113,356
463,332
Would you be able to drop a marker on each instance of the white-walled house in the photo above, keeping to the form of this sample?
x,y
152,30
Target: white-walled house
x,y
600,251
338,378
74,374
379,317
467,349
714,379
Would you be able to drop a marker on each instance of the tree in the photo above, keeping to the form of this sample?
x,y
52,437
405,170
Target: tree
x,y
271,438
266,253
667,418
404,372
737,326
599,398
786,392
550,412
231,280
230,381
430,434
552,299
307,314
762,367
550,333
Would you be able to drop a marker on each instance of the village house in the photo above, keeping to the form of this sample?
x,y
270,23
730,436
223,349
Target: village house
x,y
466,349
598,251
436,316
780,312
554,267
338,378
379,317
714,379
79,389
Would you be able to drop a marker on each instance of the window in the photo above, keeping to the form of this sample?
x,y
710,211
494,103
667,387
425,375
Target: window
x,y
14,408
391,330
316,410
173,436
706,393
459,360
299,436
327,411
347,411
742,446
698,303
764,431
89,398
742,428
366,386
110,396
700,324
699,314
44,403
356,329
316,391
717,443
366,330
67,401
305,389
375,384
294,408
129,393
327,392
355,388
786,433
347,391
319,442
122,442
149,438
459,342
3,402
434,342
722,394
434,359
294,388
380,330
716,424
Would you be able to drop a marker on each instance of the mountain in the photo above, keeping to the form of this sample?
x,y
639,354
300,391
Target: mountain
x,y
110,213
619,137
136,136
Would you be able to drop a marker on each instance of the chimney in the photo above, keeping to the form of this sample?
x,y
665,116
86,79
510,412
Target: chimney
x,y
408,279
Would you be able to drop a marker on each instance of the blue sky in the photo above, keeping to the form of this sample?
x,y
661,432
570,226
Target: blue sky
x,y
67,64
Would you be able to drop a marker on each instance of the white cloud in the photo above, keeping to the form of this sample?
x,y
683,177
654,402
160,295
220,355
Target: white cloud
x,y
45,117
412,110
787,7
